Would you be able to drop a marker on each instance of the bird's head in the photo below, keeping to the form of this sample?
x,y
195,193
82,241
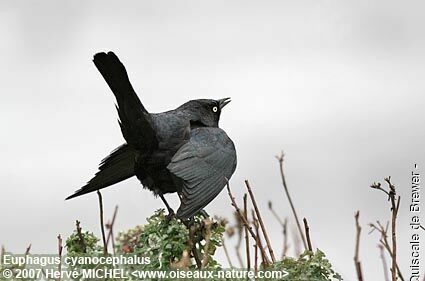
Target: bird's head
x,y
205,112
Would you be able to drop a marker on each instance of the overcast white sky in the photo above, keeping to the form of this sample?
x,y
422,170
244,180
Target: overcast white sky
x,y
338,85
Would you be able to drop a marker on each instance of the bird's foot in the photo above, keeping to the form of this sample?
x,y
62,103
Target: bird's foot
x,y
171,215
189,222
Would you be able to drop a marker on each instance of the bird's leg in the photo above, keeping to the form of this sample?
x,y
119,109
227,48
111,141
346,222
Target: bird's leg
x,y
171,213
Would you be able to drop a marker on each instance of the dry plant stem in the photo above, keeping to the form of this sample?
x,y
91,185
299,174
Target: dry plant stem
x,y
248,257
384,262
110,226
207,242
244,221
284,225
307,234
226,252
192,246
105,246
27,251
80,236
297,242
239,257
265,262
275,214
3,250
60,248
282,174
395,204
256,244
238,247
356,252
384,242
239,227
285,238
263,228
394,236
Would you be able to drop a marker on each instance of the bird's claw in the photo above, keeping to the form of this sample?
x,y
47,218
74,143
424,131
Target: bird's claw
x,y
171,215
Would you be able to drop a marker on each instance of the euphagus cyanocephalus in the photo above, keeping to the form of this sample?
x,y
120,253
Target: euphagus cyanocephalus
x,y
181,150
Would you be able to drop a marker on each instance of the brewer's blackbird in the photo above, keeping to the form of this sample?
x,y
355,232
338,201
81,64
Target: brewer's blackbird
x,y
181,150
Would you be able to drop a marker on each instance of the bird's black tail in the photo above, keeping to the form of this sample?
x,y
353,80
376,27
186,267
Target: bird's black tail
x,y
134,119
118,166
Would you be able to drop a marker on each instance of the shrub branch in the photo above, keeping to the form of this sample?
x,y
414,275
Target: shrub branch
x,y
263,228
244,221
285,187
102,228
356,251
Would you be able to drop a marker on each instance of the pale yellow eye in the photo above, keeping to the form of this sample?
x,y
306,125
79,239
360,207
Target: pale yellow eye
x,y
215,109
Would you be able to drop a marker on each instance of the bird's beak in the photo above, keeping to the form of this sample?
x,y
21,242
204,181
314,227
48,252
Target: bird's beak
x,y
222,103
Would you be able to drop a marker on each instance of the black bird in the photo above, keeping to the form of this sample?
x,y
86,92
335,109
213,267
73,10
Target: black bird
x,y
181,150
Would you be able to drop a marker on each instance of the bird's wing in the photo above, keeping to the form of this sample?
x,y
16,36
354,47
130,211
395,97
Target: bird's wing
x,y
134,119
203,164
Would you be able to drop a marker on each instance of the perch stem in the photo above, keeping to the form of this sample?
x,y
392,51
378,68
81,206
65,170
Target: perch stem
x,y
226,252
357,249
263,228
102,228
244,221
248,258
285,187
307,234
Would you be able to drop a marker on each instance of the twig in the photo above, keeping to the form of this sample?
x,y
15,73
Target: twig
x,y
280,159
263,228
284,225
60,248
80,236
226,252
245,222
384,262
110,227
395,204
384,241
356,252
239,229
207,223
192,246
258,242
297,241
275,214
248,257
105,246
307,234
27,251
285,238
2,251
394,207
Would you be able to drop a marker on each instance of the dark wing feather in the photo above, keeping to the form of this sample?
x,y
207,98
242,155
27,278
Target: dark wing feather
x,y
118,166
203,164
